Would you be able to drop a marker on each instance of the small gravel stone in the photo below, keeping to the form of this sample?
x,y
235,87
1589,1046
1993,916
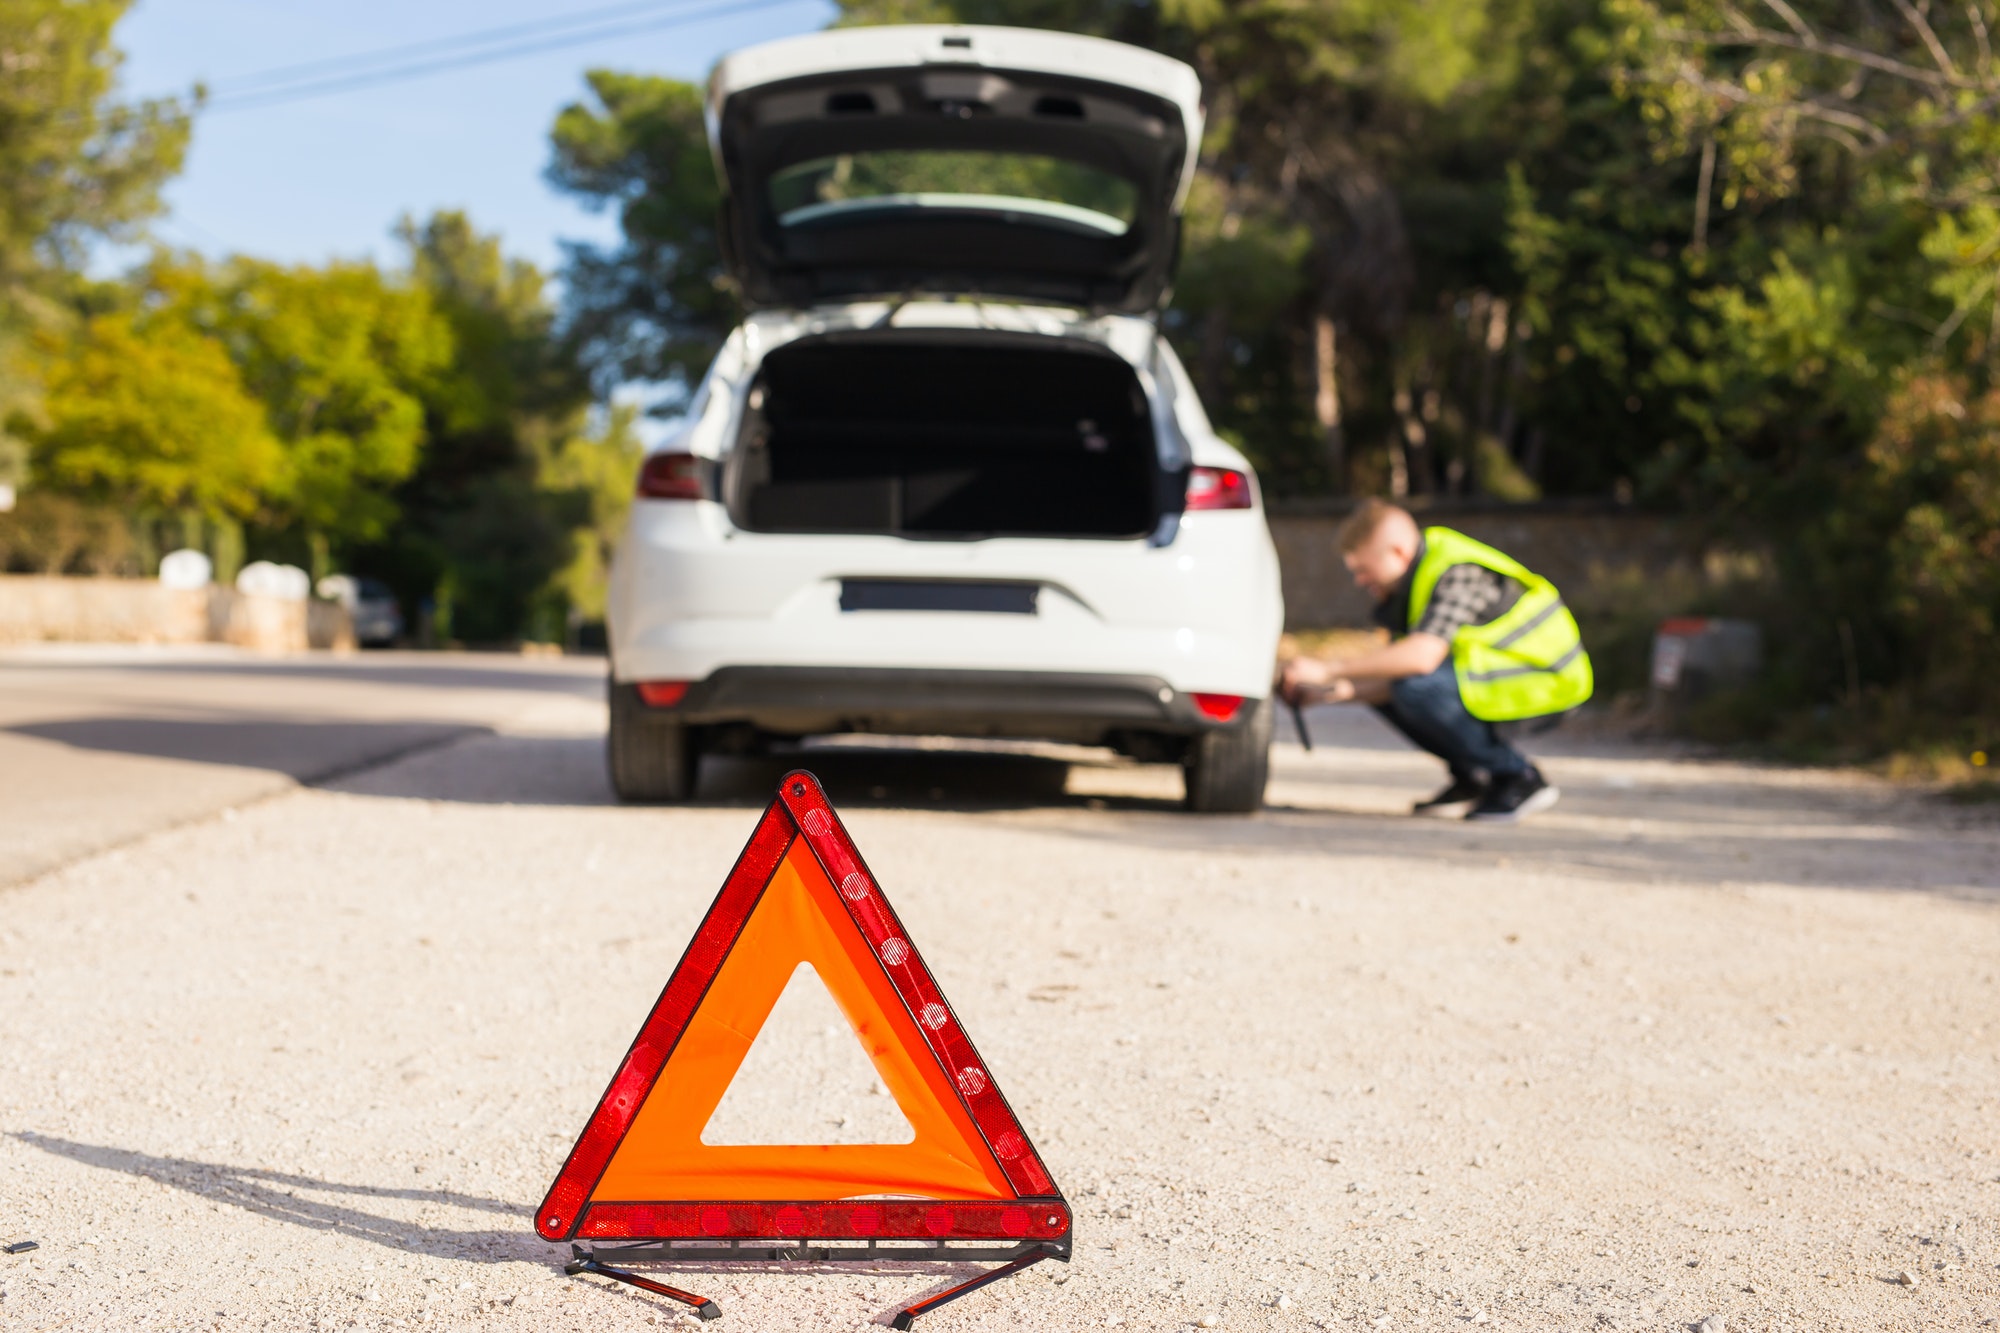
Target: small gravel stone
x,y
1209,1321
1712,1324
1905,1278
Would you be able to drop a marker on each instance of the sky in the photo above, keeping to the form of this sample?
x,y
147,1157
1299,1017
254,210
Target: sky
x,y
327,176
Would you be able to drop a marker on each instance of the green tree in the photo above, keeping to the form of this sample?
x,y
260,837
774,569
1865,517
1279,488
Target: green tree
x,y
1835,377
75,165
655,307
482,527
1244,277
596,467
147,412
341,357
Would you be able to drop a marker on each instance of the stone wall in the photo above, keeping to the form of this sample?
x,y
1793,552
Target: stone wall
x,y
45,609
1592,553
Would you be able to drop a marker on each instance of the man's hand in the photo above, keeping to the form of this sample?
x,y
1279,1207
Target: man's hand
x,y
1308,680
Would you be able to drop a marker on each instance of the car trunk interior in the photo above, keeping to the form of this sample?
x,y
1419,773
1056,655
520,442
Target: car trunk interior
x,y
937,437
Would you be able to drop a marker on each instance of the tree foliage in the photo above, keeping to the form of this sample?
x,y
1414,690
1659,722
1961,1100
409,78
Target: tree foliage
x,y
427,423
75,165
1836,370
341,356
487,526
145,410
654,307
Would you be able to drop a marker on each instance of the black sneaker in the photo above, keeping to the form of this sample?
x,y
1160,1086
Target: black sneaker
x,y
1515,797
1454,802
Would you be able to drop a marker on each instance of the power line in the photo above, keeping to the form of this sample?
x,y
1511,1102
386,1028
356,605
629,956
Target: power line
x,y
243,84
393,73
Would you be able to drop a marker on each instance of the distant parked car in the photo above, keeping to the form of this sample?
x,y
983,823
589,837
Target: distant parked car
x,y
378,620
947,478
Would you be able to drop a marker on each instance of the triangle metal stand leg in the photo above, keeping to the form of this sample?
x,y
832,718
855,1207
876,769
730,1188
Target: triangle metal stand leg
x,y
587,1263
908,1315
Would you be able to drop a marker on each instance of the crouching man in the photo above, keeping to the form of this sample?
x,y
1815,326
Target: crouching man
x,y
1476,639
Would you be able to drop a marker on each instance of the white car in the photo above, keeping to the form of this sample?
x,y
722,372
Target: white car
x,y
948,478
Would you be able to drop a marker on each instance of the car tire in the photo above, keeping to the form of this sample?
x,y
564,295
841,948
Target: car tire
x,y
1226,768
653,759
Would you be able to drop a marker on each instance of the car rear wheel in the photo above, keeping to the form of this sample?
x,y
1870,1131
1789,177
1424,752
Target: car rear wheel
x,y
1225,769
651,758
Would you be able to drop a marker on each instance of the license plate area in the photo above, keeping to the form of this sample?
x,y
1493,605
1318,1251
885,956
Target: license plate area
x,y
980,597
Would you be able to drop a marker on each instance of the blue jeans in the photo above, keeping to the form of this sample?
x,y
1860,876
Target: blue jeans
x,y
1427,709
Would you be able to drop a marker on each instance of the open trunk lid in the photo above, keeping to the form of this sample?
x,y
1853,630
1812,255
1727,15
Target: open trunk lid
x,y
998,162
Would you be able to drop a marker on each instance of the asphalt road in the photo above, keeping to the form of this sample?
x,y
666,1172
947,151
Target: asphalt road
x,y
311,970
102,744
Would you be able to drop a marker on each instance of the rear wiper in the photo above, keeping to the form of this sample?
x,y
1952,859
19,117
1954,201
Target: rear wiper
x,y
888,320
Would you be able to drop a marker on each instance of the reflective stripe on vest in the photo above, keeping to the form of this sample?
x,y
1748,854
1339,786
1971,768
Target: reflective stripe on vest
x,y
1526,662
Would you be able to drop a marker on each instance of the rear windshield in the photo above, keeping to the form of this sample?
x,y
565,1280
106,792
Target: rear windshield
x,y
852,182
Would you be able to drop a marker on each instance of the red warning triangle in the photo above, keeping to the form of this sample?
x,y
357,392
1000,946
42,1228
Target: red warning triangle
x,y
801,893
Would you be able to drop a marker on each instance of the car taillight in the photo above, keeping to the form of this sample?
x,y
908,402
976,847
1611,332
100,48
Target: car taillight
x,y
662,693
1220,707
670,477
1217,488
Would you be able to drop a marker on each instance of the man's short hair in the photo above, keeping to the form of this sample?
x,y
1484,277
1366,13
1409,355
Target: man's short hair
x,y
1366,521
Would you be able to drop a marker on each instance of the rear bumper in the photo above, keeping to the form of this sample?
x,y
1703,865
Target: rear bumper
x,y
687,602
1085,707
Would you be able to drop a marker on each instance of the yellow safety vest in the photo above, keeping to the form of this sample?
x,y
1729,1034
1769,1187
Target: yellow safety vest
x,y
1527,662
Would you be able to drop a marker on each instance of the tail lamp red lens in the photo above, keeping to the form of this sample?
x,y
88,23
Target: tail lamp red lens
x,y
671,477
1217,488
1218,707
662,693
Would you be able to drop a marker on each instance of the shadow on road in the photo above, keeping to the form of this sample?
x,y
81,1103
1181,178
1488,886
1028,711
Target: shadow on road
x,y
569,770
307,751
428,761
1717,825
885,776
1727,834
583,681
279,1196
